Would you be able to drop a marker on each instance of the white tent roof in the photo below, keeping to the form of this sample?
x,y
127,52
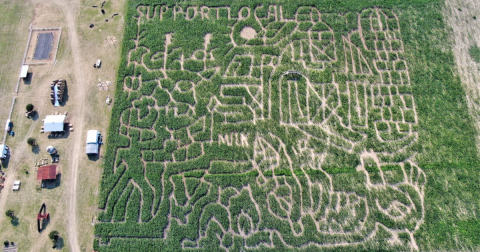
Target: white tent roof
x,y
24,71
3,152
92,136
6,124
54,123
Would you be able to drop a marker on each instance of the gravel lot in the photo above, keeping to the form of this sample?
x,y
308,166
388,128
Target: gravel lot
x,y
44,46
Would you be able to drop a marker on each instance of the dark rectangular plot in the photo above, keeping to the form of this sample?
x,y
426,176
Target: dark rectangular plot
x,y
44,46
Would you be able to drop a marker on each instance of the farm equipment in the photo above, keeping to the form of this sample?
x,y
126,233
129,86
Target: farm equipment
x,y
53,153
98,63
51,150
30,113
57,93
42,217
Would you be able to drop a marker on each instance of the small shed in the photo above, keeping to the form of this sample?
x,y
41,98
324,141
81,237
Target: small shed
x,y
54,123
47,172
8,125
24,71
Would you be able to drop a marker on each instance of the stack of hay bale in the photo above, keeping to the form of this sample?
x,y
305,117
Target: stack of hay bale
x,y
61,86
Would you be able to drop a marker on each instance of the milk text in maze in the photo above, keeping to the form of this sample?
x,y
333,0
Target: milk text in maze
x,y
262,129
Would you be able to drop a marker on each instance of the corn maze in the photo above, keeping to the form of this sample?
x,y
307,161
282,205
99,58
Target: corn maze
x,y
261,128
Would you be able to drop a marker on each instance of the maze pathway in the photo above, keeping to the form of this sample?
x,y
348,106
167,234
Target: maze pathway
x,y
258,129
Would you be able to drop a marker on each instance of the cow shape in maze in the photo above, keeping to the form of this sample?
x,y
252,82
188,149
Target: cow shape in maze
x,y
236,140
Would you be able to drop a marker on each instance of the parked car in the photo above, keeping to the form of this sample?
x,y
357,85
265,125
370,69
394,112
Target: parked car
x,y
97,64
16,185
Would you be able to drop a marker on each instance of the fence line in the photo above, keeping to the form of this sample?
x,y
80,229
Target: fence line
x,y
24,56
28,43
9,117
47,29
18,81
58,43
23,62
36,63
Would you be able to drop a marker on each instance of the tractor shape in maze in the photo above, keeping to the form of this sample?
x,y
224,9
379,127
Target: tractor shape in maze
x,y
228,148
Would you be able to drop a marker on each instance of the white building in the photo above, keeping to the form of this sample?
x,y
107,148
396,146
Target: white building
x,y
54,123
24,71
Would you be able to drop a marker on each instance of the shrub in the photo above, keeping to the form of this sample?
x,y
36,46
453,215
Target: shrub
x,y
29,107
54,235
475,53
10,213
31,141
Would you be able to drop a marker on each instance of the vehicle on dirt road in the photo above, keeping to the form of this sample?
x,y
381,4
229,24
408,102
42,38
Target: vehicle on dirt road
x,y
93,142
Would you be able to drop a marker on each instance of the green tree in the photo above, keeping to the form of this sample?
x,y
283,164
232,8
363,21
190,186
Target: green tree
x,y
31,141
29,107
10,213
54,235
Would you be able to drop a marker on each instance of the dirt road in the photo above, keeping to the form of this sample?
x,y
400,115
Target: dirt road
x,y
69,8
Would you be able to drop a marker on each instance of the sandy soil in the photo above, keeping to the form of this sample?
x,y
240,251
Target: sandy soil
x,y
248,33
459,15
79,79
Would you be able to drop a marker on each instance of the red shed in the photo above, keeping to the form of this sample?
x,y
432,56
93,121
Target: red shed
x,y
47,172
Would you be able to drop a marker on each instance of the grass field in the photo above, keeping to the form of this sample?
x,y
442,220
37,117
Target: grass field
x,y
18,15
288,126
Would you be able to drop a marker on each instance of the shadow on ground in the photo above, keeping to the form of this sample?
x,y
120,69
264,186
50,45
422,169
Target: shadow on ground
x,y
58,243
52,183
5,162
28,80
36,149
44,224
15,222
94,157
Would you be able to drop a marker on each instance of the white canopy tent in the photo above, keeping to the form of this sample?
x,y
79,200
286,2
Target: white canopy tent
x,y
54,123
